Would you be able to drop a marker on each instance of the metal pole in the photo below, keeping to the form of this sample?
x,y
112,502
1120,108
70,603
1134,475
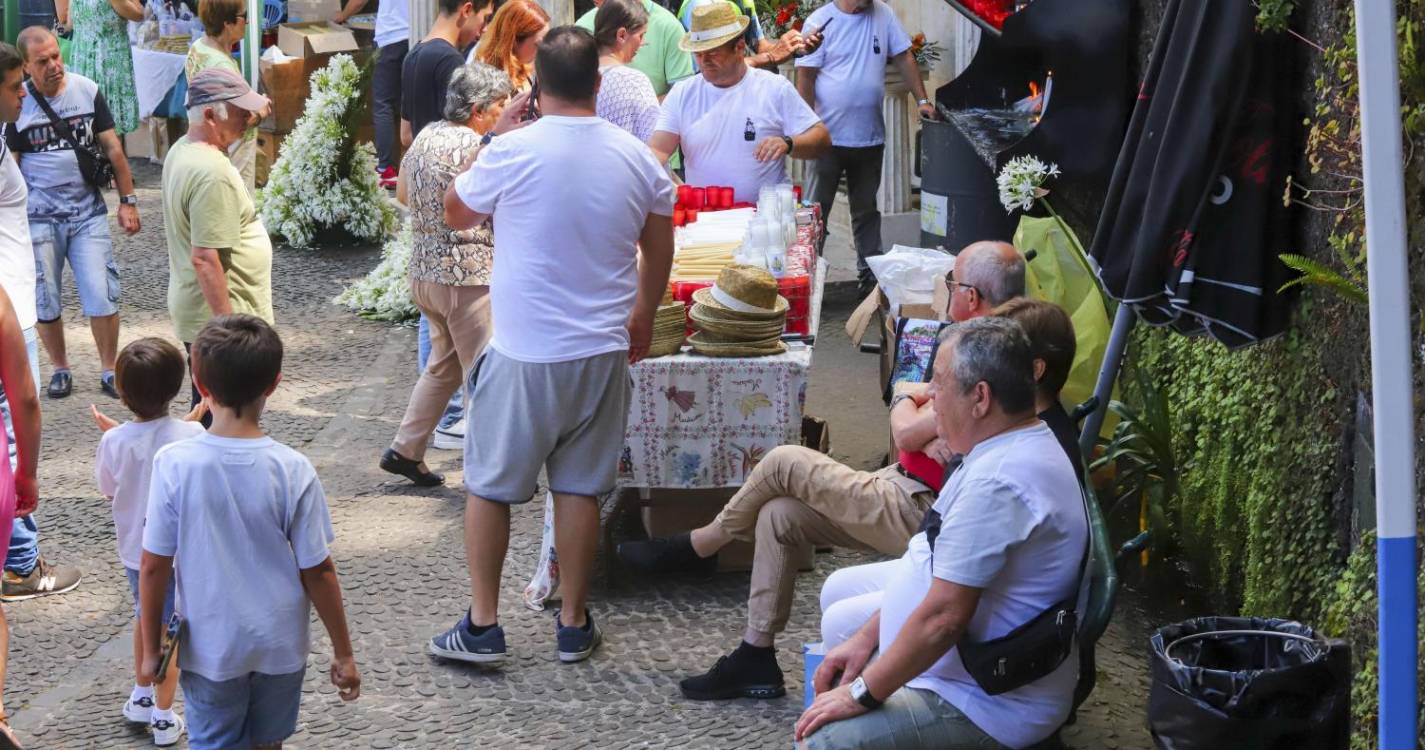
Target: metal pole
x,y
1390,371
1107,374
252,42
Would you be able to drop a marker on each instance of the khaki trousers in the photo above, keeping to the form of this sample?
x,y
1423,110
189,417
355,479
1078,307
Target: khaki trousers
x,y
460,327
799,496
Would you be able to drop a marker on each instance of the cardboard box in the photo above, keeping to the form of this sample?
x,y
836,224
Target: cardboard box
x,y
269,145
312,10
139,144
314,38
941,304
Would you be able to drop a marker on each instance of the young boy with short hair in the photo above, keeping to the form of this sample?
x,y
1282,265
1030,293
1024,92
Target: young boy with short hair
x,y
245,520
148,375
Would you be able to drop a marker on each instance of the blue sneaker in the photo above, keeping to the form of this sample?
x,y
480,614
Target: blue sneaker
x,y
577,644
458,644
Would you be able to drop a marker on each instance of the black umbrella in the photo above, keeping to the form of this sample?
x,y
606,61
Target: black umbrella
x,y
1194,220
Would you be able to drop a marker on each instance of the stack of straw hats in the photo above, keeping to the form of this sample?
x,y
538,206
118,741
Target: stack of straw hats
x,y
669,325
739,316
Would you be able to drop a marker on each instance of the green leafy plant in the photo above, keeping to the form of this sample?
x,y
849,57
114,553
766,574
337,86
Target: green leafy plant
x,y
1317,274
1141,450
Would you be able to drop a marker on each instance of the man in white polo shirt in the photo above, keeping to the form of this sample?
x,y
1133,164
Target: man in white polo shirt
x,y
578,276
735,124
845,80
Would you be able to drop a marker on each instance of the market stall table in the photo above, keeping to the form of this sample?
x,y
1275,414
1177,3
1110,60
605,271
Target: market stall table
x,y
698,422
155,74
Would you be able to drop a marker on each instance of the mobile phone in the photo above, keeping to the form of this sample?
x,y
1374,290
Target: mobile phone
x,y
531,111
169,646
820,30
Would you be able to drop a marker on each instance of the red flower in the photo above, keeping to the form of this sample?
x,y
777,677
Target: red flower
x,y
784,15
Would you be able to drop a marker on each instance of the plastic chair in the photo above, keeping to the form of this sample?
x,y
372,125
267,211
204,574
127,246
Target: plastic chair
x,y
272,12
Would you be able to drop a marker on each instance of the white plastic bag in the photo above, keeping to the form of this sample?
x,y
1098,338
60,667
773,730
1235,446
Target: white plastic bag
x,y
907,274
545,583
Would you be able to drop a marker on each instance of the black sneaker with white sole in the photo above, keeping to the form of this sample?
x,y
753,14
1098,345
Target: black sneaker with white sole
x,y
460,644
748,672
577,644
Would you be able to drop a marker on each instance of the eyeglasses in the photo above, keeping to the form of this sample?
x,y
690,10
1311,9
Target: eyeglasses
x,y
952,283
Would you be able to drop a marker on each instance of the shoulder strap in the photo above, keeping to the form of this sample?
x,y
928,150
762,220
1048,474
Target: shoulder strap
x,y
60,125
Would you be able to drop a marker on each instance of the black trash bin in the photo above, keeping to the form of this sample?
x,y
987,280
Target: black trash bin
x,y
1230,683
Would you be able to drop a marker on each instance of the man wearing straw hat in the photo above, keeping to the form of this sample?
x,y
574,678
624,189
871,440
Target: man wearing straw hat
x,y
573,302
735,124
797,495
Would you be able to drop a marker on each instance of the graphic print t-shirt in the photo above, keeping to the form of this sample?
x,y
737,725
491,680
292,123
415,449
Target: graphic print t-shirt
x,y
47,161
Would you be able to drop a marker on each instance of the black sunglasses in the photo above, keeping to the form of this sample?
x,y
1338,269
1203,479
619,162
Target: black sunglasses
x,y
951,282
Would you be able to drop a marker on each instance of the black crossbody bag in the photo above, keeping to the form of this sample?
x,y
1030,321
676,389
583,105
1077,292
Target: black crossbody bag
x,y
94,165
1031,651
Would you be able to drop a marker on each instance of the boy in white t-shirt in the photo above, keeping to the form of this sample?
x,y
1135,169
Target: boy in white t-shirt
x,y
244,520
148,374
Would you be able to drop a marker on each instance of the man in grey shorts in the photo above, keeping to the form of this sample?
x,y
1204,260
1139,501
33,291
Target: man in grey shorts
x,y
579,275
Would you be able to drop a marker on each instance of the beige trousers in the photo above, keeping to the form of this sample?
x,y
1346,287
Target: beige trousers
x,y
460,327
799,496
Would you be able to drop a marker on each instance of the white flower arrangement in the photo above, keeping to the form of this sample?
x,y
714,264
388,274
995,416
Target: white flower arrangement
x,y
385,293
1021,182
322,179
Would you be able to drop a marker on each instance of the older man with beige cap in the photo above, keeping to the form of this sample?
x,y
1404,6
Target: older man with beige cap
x,y
735,124
219,255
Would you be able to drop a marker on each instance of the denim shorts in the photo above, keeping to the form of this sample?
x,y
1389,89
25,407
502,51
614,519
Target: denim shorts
x,y
912,717
255,709
167,598
85,245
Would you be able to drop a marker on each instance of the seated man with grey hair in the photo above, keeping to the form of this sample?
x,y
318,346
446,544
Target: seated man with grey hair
x,y
797,496
450,268
1002,546
219,254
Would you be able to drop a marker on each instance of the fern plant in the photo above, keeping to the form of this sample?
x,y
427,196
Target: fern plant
x,y
1351,287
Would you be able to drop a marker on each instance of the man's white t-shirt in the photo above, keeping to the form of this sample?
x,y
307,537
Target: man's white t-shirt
x,y
719,129
123,466
393,22
1012,524
851,77
17,256
569,197
241,518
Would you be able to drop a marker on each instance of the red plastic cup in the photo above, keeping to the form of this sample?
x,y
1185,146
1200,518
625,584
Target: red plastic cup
x,y
698,200
691,214
685,194
680,217
797,191
724,195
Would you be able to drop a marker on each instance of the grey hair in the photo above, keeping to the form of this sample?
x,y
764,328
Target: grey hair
x,y
475,88
995,351
998,278
220,111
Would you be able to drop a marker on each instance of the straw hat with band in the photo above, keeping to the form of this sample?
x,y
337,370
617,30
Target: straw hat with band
x,y
744,291
713,25
703,344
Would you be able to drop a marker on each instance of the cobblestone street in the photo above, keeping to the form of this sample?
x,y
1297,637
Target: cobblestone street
x,y
399,552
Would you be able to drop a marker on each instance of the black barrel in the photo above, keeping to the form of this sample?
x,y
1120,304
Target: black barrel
x,y
959,203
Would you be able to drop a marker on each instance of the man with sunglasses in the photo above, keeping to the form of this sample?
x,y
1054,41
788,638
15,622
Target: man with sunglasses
x,y
797,496
735,124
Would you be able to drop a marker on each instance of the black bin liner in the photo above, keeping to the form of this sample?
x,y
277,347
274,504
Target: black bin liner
x,y
1224,683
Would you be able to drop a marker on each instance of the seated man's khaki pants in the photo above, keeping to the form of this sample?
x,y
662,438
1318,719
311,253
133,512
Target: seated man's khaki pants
x,y
799,496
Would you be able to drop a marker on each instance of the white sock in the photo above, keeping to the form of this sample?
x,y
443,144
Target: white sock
x,y
163,714
141,692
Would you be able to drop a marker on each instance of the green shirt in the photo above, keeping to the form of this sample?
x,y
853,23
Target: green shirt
x,y
659,58
206,205
202,56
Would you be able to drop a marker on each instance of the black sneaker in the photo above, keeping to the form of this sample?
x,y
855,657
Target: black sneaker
x,y
60,384
44,580
457,643
747,672
106,384
577,644
661,555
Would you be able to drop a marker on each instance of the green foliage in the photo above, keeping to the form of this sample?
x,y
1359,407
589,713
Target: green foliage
x,y
1317,274
1351,614
1142,450
1273,15
1256,430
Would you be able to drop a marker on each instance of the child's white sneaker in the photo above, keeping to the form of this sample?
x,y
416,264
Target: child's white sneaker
x,y
139,710
167,731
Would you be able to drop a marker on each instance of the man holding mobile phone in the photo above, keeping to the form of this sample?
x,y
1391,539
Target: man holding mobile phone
x,y
844,79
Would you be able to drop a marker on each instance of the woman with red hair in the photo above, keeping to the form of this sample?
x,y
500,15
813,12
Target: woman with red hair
x,y
512,39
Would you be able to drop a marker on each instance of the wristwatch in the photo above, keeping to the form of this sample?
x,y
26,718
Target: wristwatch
x,y
862,694
788,140
922,102
485,139
129,200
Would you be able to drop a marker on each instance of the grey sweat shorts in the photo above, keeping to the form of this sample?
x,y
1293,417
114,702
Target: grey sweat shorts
x,y
568,417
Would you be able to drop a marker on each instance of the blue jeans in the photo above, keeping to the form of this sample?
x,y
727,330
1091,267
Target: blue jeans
x,y
454,410
254,709
24,549
85,244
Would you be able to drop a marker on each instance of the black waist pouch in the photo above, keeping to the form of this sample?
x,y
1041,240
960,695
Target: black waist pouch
x,y
1029,652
